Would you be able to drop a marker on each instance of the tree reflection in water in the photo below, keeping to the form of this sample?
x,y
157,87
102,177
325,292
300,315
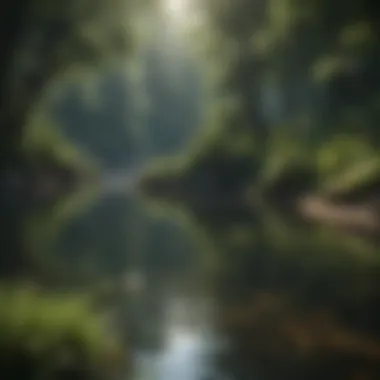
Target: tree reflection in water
x,y
296,301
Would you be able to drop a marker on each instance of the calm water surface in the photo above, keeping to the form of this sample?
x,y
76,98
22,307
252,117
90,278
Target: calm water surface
x,y
226,296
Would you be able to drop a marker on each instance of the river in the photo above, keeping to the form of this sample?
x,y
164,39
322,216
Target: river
x,y
200,296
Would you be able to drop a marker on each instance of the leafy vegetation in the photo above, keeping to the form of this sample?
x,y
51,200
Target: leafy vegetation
x,y
301,84
53,336
46,45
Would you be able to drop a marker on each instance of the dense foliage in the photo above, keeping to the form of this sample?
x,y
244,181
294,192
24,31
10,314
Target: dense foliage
x,y
43,42
51,336
44,45
296,94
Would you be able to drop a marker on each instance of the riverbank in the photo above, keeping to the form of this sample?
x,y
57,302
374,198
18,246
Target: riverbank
x,y
353,211
360,216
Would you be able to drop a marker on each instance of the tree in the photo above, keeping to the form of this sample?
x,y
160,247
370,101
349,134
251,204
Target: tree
x,y
41,40
306,70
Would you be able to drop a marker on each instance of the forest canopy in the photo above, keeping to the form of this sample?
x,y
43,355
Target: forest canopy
x,y
302,81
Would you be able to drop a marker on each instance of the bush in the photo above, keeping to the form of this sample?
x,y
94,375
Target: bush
x,y
50,335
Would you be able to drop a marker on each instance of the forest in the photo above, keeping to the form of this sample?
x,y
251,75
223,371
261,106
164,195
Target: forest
x,y
294,112
289,124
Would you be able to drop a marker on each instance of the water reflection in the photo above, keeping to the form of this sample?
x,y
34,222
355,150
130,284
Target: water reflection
x,y
297,301
288,300
186,333
159,303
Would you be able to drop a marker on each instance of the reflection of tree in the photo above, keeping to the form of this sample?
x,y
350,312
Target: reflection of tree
x,y
298,301
107,236
165,257
32,227
97,243
168,248
282,341
145,314
43,227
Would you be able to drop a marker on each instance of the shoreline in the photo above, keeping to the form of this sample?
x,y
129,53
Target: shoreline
x,y
358,216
